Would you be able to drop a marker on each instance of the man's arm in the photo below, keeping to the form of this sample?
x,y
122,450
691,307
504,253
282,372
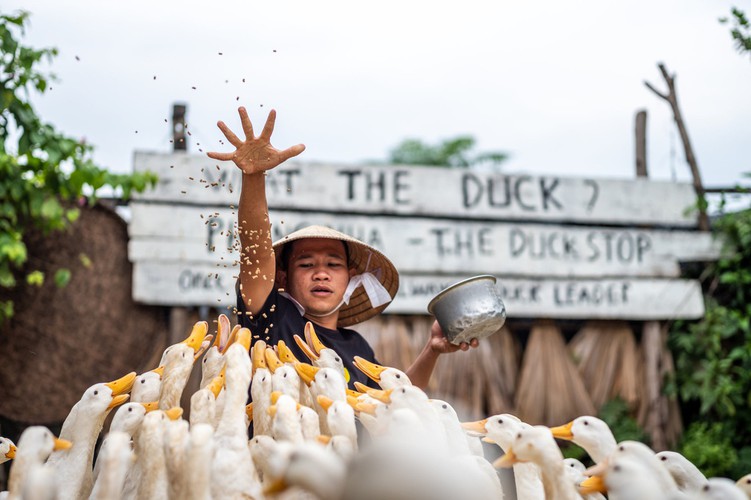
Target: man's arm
x,y
254,156
422,368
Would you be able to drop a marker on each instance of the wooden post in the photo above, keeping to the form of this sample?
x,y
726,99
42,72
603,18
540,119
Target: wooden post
x,y
672,99
641,144
179,143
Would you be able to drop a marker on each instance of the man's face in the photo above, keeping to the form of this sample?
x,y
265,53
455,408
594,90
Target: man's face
x,y
317,274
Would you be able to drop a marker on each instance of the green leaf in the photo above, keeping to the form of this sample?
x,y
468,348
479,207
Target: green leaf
x,y
85,260
35,278
62,277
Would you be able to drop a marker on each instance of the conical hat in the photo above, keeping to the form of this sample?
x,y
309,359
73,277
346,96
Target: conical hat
x,y
362,257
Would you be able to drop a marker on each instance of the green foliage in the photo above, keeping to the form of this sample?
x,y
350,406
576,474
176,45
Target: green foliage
x,y
617,415
449,153
713,357
740,30
43,173
710,448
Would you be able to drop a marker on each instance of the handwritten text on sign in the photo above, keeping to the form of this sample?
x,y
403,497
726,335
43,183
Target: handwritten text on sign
x,y
203,284
190,234
425,191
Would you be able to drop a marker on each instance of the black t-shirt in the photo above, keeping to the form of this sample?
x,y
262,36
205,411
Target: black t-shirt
x,y
279,319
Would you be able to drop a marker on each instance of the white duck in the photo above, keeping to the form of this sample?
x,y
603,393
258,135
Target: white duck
x,y
537,445
147,386
113,462
502,430
287,357
7,450
35,446
327,382
152,466
260,389
127,420
196,477
232,471
385,376
590,433
340,418
213,360
720,488
203,403
625,477
285,423
687,476
456,438
82,427
178,362
320,355
744,484
284,377
176,442
644,454
269,456
575,470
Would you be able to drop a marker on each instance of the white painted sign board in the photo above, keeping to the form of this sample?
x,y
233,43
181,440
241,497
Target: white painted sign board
x,y
561,247
426,191
194,234
175,283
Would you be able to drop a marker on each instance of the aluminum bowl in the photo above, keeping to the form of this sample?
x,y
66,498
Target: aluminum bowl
x,y
470,309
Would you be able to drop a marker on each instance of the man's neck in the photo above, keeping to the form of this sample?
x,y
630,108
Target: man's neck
x,y
329,321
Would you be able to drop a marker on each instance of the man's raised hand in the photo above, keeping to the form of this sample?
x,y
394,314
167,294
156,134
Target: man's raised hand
x,y
254,154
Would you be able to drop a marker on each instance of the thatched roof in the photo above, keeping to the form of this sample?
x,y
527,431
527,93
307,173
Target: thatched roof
x,y
62,340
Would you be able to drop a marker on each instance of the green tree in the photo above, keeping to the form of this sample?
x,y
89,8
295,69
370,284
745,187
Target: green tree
x,y
42,172
456,152
740,29
713,359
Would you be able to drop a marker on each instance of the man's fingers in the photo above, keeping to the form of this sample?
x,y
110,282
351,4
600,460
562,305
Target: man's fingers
x,y
291,152
474,342
247,125
231,137
463,346
269,127
220,156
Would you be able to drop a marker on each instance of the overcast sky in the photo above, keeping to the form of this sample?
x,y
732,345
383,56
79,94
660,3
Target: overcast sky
x,y
554,84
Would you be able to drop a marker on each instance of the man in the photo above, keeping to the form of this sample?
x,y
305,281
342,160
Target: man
x,y
315,274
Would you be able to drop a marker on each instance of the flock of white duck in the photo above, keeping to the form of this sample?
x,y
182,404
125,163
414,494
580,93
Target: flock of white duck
x,y
305,442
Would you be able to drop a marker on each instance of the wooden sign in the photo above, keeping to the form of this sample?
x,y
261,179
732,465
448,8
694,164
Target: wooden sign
x,y
199,235
426,191
174,283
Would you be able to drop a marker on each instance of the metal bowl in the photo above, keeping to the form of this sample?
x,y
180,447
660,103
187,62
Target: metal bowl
x,y
469,309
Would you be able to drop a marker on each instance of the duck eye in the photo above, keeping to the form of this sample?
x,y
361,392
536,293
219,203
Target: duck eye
x,y
398,376
325,375
204,360
183,355
444,406
337,359
500,420
518,436
284,376
404,391
706,487
96,392
663,458
617,468
130,409
586,423
621,448
143,381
